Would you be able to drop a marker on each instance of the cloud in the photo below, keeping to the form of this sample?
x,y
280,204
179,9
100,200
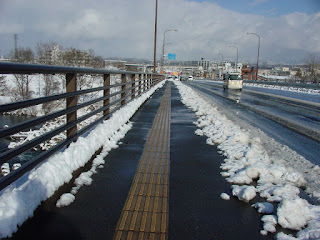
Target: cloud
x,y
257,2
126,28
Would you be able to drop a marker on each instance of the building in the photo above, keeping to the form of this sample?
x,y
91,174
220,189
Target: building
x,y
204,64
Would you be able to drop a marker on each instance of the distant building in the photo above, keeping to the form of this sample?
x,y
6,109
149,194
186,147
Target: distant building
x,y
248,72
285,69
204,64
115,63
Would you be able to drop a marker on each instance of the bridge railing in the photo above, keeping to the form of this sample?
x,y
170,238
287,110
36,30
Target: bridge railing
x,y
114,96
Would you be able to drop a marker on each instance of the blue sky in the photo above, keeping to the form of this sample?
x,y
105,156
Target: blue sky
x,y
268,7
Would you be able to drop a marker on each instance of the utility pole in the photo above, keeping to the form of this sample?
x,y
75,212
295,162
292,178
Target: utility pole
x,y
236,67
15,45
258,53
155,38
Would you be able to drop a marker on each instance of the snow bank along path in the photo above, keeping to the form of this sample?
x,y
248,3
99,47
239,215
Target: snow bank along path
x,y
19,200
247,162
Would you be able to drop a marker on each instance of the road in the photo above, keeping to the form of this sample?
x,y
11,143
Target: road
x,y
288,120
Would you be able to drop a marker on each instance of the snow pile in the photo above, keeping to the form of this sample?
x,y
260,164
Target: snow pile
x,y
285,88
247,163
244,193
264,207
65,200
19,200
269,224
225,196
5,169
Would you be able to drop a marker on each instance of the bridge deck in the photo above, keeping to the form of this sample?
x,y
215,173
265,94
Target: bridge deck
x,y
129,197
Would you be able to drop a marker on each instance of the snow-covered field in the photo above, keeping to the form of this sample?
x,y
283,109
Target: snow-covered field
x,y
19,200
257,165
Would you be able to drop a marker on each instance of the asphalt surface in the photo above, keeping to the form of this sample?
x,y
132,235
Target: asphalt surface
x,y
196,210
301,143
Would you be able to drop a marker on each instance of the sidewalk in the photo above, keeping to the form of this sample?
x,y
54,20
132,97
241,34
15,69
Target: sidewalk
x,y
195,209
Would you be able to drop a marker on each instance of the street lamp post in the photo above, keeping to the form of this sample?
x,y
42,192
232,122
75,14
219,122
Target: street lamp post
x,y
258,53
163,43
237,57
155,37
221,69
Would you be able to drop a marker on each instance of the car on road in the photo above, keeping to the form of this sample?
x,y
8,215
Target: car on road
x,y
232,81
190,78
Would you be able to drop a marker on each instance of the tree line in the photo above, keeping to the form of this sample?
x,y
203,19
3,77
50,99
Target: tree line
x,y
22,86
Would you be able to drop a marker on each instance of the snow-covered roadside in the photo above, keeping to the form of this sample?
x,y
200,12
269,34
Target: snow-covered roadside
x,y
285,88
247,161
277,87
20,199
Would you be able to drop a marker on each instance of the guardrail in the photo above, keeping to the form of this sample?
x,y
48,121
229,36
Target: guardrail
x,y
138,83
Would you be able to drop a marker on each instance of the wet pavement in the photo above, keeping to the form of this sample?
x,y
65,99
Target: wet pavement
x,y
196,210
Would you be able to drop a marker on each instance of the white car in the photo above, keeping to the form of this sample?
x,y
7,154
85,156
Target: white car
x,y
190,78
232,81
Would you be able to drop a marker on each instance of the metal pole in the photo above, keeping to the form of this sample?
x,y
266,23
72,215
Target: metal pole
x,y
237,57
155,38
258,53
163,44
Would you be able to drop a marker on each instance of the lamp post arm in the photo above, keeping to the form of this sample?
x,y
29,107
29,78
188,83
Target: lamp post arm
x,y
163,44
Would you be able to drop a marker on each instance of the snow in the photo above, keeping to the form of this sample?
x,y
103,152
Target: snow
x,y
284,88
244,193
65,200
264,207
19,200
269,224
255,164
225,196
294,213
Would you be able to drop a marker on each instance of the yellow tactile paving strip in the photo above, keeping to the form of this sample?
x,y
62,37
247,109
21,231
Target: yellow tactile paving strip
x,y
146,212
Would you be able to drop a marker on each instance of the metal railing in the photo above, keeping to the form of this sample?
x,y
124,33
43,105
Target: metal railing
x,y
138,83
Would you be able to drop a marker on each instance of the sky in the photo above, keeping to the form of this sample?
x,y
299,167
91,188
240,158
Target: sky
x,y
289,30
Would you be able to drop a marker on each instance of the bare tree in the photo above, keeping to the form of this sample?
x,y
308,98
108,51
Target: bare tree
x,y
314,67
49,53
22,90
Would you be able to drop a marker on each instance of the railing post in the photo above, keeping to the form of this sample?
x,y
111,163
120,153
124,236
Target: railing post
x,y
106,92
133,79
71,86
154,77
123,88
139,93
148,81
144,82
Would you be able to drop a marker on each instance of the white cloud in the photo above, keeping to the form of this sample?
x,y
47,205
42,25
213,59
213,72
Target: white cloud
x,y
257,2
126,28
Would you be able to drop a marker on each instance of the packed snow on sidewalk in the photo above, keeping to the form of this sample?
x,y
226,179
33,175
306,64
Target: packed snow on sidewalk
x,y
275,173
19,200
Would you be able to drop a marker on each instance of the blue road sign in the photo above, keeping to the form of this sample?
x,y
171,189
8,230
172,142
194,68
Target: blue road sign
x,y
171,56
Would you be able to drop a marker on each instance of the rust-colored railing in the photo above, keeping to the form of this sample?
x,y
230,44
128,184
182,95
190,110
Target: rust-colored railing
x,y
131,85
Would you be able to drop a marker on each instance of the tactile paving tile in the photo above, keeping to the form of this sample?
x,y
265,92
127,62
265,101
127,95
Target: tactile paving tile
x,y
145,214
